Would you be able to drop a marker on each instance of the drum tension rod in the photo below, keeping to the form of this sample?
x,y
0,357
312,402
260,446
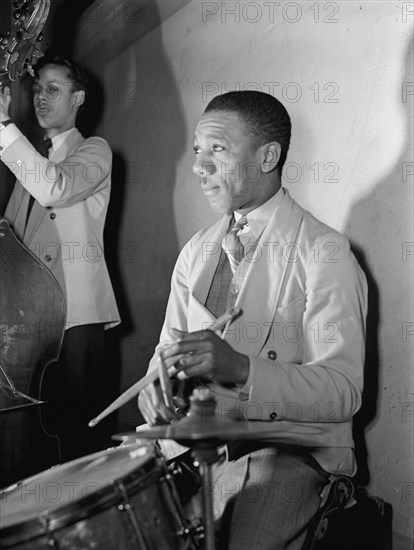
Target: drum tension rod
x,y
51,541
126,506
167,477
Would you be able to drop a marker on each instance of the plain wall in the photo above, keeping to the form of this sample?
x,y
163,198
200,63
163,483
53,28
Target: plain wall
x,y
344,72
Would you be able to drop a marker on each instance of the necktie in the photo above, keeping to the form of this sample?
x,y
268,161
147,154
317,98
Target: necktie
x,y
43,148
232,246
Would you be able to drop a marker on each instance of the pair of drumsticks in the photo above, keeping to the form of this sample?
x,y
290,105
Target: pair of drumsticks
x,y
160,373
165,383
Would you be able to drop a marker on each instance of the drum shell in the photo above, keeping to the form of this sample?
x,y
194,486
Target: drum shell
x,y
137,511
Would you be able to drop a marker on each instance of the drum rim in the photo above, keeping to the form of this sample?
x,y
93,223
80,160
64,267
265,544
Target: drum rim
x,y
72,512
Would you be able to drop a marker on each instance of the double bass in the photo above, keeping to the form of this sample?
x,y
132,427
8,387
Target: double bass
x,y
32,305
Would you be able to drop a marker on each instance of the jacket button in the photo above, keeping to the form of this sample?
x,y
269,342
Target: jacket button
x,y
273,415
52,216
271,354
48,258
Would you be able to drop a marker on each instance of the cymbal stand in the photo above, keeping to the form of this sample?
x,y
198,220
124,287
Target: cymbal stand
x,y
205,454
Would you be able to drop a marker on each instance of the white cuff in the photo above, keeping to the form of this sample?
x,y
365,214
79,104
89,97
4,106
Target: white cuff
x,y
8,135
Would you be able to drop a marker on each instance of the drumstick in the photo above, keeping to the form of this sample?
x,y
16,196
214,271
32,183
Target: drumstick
x,y
165,383
130,393
152,376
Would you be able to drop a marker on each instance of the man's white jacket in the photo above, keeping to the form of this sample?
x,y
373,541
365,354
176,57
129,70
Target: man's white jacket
x,y
303,307
65,228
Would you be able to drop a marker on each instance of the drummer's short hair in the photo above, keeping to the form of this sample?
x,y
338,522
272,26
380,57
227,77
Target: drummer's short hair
x,y
265,117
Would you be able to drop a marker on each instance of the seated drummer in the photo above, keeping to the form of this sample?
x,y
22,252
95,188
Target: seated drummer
x,y
294,356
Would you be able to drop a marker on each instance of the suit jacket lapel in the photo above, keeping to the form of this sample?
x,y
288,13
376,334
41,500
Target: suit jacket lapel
x,y
35,219
205,264
260,294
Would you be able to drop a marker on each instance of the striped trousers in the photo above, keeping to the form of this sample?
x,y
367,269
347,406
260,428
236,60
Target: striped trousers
x,y
266,499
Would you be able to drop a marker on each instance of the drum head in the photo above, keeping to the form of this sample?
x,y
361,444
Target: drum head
x,y
65,493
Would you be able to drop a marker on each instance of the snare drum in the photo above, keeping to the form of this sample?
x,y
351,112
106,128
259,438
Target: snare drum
x,y
118,499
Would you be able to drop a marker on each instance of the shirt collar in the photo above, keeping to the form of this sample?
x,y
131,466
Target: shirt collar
x,y
258,218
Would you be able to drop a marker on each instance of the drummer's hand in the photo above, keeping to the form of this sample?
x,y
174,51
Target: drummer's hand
x,y
5,100
206,355
152,406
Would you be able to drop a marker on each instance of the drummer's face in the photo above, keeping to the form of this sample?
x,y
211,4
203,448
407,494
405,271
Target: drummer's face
x,y
227,162
55,102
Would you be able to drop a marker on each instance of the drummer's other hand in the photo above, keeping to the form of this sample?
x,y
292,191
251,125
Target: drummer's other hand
x,y
5,100
206,355
152,406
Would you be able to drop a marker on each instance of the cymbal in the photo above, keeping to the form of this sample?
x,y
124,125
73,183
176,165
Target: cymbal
x,y
188,429
202,423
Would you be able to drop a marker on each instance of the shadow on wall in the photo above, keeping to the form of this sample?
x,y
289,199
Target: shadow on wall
x,y
377,227
61,23
144,124
60,34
